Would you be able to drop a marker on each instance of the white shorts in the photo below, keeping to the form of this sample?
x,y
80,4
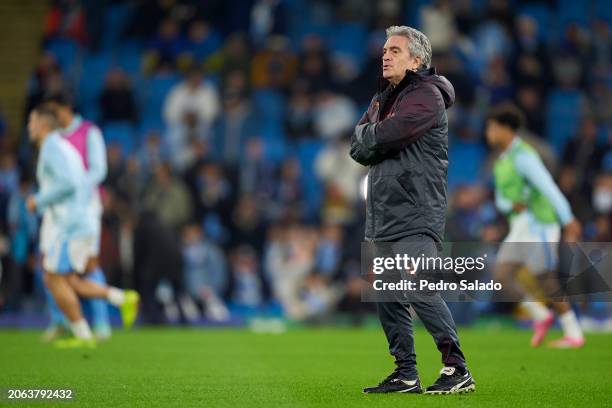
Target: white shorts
x,y
49,235
531,243
67,256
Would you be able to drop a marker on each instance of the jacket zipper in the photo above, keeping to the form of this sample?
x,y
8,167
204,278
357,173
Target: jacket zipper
x,y
370,196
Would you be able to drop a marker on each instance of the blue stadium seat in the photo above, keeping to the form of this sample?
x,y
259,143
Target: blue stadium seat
x,y
542,14
305,28
562,116
270,108
349,40
270,103
116,18
153,94
307,152
603,9
412,15
91,82
90,111
66,52
128,56
464,162
121,133
571,11
275,150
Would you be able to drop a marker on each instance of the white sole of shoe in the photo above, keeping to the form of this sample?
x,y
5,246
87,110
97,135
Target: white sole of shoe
x,y
463,390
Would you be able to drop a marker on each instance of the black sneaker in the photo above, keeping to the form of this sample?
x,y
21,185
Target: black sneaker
x,y
452,381
394,383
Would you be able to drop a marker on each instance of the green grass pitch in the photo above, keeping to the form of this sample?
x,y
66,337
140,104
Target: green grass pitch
x,y
299,368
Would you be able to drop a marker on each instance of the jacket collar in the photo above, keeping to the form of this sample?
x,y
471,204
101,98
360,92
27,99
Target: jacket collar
x,y
410,77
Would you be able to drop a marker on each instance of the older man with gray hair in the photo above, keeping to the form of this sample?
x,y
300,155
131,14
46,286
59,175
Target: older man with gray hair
x,y
403,139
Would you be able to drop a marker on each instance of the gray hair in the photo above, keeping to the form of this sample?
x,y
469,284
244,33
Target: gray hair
x,y
418,43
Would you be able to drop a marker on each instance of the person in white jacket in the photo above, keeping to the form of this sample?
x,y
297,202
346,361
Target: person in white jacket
x,y
189,111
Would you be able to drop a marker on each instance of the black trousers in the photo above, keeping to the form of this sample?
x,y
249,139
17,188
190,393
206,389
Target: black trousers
x,y
431,309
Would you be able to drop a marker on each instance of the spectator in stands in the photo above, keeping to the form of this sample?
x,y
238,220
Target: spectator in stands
x,y
602,195
200,154
147,17
333,115
247,289
9,178
299,116
152,153
290,259
166,45
267,17
23,234
234,56
438,25
581,160
335,206
319,297
256,174
529,60
189,111
205,272
214,199
314,64
202,41
274,66
601,48
529,99
168,198
247,224
238,123
498,82
288,197
46,80
117,100
329,251
467,218
66,19
333,165
157,258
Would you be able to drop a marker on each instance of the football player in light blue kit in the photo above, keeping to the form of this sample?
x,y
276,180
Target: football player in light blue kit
x,y
68,229
89,143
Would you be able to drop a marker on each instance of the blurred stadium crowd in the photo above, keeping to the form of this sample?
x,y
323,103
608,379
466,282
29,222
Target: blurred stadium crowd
x,y
230,189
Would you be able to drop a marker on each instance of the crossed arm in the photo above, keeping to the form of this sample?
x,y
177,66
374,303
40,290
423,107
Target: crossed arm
x,y
372,143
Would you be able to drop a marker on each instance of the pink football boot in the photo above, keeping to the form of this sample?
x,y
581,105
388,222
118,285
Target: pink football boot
x,y
540,328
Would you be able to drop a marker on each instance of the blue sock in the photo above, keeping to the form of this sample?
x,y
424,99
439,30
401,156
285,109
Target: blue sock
x,y
57,317
99,307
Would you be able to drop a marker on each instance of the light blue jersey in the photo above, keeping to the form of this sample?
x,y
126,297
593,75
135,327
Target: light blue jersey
x,y
63,196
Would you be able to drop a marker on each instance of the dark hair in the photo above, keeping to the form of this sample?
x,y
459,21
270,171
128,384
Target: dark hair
x,y
48,114
507,115
60,98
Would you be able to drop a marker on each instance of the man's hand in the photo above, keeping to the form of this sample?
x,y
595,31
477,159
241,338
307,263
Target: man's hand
x,y
519,207
572,232
31,204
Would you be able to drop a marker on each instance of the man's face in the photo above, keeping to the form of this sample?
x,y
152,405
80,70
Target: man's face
x,y
397,59
494,132
34,126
